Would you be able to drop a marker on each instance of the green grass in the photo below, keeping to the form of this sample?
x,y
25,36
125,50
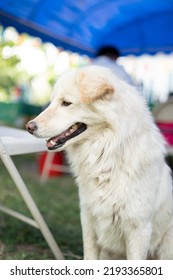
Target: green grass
x,y
57,199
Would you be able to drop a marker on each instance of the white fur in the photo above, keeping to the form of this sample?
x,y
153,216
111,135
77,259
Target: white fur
x,y
125,186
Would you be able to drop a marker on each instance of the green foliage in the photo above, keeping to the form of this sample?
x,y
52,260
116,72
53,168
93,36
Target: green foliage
x,y
10,75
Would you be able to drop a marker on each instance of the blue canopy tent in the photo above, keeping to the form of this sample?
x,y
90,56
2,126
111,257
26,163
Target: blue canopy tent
x,y
134,26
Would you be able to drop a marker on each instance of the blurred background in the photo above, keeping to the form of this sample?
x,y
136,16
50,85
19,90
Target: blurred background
x,y
30,69
39,40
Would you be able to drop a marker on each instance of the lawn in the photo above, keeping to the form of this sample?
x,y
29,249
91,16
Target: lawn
x,y
57,199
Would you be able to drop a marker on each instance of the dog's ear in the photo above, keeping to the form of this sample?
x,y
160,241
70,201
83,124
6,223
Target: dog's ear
x,y
93,83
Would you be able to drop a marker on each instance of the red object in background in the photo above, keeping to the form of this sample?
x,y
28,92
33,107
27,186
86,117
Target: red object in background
x,y
56,159
166,129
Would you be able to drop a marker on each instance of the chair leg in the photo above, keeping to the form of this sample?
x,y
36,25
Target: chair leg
x,y
47,166
30,203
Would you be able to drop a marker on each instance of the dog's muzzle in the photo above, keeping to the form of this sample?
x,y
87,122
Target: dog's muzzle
x,y
59,140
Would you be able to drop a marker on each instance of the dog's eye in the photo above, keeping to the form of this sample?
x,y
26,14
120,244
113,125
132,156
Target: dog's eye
x,y
66,103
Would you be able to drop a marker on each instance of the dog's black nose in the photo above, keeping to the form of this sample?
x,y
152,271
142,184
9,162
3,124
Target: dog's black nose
x,y
31,127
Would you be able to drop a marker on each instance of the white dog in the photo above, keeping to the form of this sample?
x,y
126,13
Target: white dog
x,y
117,154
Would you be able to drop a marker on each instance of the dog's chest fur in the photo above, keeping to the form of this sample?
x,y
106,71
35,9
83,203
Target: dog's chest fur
x,y
107,210
102,189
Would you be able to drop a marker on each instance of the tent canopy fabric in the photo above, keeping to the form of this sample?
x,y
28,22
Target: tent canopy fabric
x,y
133,26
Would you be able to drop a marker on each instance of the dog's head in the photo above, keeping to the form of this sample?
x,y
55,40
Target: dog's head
x,y
74,107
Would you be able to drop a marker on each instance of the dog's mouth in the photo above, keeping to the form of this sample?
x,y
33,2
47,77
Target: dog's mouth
x,y
59,140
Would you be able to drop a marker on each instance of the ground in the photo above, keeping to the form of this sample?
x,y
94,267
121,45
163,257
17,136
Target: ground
x,y
57,200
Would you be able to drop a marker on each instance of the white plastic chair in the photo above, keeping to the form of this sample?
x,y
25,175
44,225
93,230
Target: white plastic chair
x,y
16,142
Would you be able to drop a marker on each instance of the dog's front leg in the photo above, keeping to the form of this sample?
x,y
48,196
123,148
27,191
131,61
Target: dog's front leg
x,y
137,241
90,247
